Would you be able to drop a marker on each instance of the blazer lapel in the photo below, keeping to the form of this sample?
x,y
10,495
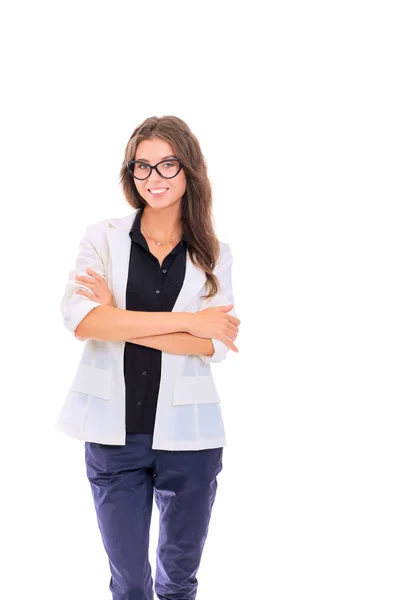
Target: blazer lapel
x,y
120,247
193,282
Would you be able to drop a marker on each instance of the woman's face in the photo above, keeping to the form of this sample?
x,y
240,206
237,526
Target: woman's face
x,y
152,152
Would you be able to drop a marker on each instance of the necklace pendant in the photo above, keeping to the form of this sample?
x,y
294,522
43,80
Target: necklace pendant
x,y
158,243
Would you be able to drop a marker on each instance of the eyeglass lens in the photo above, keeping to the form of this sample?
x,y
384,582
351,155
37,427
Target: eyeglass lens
x,y
168,168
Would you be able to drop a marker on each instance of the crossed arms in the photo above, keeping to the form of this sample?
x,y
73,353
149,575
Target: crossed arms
x,y
179,342
88,318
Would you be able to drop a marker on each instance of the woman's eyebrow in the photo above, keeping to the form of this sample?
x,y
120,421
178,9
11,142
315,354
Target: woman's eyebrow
x,y
164,157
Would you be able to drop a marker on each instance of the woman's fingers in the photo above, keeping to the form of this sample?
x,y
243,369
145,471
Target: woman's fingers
x,y
232,331
99,291
87,280
233,319
92,281
84,277
228,342
95,275
233,335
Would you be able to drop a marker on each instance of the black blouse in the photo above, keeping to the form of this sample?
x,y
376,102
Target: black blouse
x,y
150,287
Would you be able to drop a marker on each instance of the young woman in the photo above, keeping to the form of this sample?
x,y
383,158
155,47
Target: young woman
x,y
151,295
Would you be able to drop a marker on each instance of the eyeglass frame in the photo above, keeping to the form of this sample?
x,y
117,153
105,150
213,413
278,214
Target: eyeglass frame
x,y
132,162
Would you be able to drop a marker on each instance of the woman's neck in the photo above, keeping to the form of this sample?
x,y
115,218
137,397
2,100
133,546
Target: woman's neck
x,y
163,224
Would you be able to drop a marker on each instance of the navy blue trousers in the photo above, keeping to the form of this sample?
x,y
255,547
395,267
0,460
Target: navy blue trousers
x,y
123,480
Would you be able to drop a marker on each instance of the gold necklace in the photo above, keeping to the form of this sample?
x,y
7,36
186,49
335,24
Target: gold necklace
x,y
159,243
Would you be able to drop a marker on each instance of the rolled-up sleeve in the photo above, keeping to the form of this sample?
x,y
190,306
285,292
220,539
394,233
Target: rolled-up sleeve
x,y
74,307
223,297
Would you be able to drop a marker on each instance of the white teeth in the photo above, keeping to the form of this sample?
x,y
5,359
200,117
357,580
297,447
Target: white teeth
x,y
158,191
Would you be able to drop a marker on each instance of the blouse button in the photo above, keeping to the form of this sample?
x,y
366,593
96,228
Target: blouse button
x,y
164,271
157,291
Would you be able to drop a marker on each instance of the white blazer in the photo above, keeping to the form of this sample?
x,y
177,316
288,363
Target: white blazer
x,y
188,415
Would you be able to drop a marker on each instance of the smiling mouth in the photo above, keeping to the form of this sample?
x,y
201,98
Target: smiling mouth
x,y
155,192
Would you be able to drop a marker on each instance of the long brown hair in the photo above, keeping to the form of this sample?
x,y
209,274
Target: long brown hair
x,y
196,208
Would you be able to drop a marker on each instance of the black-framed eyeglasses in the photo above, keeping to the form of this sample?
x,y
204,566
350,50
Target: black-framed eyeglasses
x,y
165,168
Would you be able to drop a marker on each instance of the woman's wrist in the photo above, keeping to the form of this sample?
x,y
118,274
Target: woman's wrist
x,y
184,321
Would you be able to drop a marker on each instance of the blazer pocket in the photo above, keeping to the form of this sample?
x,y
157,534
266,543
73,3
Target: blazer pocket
x,y
92,381
195,390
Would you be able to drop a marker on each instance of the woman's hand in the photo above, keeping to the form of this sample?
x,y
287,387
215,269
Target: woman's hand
x,y
215,323
100,291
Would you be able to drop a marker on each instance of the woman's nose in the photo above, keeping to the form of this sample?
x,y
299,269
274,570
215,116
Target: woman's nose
x,y
154,176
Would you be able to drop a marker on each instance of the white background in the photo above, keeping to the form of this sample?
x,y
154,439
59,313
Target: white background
x,y
296,106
